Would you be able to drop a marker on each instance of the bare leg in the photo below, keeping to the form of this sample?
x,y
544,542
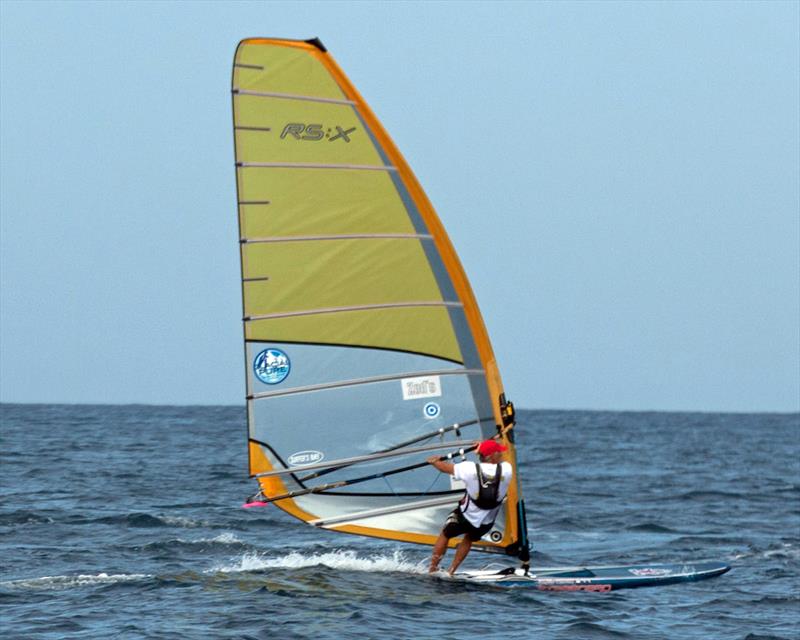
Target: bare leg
x,y
461,552
439,549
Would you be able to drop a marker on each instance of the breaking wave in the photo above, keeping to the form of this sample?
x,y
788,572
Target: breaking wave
x,y
344,560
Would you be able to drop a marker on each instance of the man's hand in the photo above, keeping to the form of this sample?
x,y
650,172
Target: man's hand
x,y
441,465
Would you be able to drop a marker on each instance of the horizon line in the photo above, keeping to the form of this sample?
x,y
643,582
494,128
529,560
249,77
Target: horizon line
x,y
789,412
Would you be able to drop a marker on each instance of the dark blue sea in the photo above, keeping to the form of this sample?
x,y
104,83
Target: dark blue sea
x,y
125,522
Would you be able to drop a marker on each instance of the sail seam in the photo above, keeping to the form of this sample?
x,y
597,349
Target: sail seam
x,y
353,345
315,165
359,381
289,96
360,515
242,65
357,307
341,236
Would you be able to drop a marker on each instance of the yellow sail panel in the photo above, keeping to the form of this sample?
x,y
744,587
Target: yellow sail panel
x,y
416,330
298,202
316,275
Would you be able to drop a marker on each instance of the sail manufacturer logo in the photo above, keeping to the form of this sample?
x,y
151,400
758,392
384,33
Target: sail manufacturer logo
x,y
316,132
423,387
271,366
302,458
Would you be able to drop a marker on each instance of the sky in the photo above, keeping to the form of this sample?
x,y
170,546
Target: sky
x,y
620,181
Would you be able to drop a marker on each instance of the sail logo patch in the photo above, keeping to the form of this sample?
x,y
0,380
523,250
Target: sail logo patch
x,y
271,366
304,457
424,387
315,132
431,410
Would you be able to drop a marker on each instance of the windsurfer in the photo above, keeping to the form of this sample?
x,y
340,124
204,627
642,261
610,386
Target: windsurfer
x,y
486,487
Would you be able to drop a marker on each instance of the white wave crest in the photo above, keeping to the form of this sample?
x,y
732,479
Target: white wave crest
x,y
344,560
226,538
68,582
222,538
180,521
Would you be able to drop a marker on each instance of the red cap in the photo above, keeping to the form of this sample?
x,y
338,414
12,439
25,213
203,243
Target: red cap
x,y
488,447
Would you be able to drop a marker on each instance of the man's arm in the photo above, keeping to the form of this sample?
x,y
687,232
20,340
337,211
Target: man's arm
x,y
441,465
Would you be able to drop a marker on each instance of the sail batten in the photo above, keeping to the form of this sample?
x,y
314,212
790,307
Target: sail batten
x,y
368,458
361,307
360,327
341,236
289,96
246,128
413,506
315,165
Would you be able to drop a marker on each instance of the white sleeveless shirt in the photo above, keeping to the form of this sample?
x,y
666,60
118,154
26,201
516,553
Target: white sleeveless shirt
x,y
466,472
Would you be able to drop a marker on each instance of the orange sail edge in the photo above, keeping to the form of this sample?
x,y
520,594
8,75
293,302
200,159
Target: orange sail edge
x,y
442,241
459,279
272,486
440,238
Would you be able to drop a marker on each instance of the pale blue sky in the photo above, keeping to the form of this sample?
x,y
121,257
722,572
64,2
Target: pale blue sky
x,y
620,181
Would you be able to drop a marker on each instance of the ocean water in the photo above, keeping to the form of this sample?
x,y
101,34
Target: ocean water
x,y
125,522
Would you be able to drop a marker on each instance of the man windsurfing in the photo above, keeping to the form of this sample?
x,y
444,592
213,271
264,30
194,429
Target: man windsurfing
x,y
487,484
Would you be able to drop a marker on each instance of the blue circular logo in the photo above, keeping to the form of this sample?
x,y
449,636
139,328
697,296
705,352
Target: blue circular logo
x,y
271,366
431,410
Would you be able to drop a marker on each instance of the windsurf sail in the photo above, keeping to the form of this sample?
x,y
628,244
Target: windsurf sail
x,y
365,350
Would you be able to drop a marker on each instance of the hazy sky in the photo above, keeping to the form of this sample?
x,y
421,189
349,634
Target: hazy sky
x,y
620,181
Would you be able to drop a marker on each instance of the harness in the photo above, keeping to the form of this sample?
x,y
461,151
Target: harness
x,y
488,489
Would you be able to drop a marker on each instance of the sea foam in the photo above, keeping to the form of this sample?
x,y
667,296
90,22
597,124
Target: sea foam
x,y
345,560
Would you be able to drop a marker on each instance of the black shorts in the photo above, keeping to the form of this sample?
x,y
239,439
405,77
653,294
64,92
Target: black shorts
x,y
457,525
